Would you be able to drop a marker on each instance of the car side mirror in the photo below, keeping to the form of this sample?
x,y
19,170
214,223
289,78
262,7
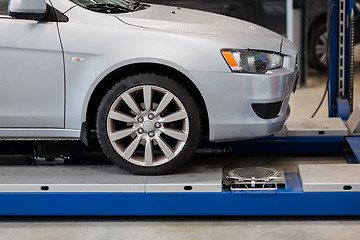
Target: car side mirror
x,y
28,9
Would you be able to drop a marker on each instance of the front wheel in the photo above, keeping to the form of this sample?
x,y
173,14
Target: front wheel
x,y
148,124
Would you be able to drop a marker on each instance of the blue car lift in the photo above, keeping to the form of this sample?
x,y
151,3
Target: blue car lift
x,y
292,200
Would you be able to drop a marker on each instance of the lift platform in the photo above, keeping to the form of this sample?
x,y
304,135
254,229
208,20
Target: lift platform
x,y
197,190
313,189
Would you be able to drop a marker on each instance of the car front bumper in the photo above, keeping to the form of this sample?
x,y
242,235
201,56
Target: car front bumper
x,y
230,97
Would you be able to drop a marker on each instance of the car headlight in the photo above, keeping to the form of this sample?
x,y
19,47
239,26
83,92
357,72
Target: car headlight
x,y
249,61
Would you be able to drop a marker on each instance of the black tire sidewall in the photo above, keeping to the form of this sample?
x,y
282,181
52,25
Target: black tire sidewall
x,y
166,83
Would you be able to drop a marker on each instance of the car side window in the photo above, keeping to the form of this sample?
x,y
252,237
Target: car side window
x,y
4,7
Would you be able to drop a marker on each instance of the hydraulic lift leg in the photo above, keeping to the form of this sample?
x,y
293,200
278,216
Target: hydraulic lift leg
x,y
341,77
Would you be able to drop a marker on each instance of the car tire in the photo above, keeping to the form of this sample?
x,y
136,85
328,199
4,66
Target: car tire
x,y
148,124
318,47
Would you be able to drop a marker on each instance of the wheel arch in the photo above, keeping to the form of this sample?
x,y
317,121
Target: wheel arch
x,y
113,77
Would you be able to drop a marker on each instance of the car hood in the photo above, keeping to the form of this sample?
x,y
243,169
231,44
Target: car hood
x,y
232,31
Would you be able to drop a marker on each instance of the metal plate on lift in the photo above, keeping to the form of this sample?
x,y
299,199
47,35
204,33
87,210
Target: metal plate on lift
x,y
316,127
69,179
353,122
330,177
194,179
105,179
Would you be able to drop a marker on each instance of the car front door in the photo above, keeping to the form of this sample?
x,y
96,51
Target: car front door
x,y
31,73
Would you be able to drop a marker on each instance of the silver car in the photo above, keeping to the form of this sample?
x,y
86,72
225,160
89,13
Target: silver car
x,y
146,81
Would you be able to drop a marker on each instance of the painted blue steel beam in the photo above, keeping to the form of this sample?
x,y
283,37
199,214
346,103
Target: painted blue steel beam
x,y
282,145
333,60
343,108
290,201
340,57
352,151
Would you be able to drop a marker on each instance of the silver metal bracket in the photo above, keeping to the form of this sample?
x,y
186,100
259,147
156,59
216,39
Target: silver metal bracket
x,y
255,178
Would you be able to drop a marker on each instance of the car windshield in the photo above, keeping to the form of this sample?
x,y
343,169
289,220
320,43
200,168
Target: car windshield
x,y
110,6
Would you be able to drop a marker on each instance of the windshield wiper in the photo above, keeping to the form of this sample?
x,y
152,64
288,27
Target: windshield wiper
x,y
109,7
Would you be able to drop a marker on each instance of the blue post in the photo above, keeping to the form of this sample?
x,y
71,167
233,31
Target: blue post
x,y
340,65
333,63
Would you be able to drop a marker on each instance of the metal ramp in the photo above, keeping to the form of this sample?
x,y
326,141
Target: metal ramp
x,y
104,178
330,177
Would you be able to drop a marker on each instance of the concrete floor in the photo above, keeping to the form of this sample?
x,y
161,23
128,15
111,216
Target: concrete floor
x,y
176,228
303,104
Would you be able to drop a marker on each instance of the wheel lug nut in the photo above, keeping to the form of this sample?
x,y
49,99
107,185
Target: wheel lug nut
x,y
151,116
151,134
140,119
141,130
157,125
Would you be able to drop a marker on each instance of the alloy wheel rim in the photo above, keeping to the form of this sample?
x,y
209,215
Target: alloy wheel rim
x,y
321,48
147,125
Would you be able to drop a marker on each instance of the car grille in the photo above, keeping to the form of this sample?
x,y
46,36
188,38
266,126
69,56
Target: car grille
x,y
267,110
